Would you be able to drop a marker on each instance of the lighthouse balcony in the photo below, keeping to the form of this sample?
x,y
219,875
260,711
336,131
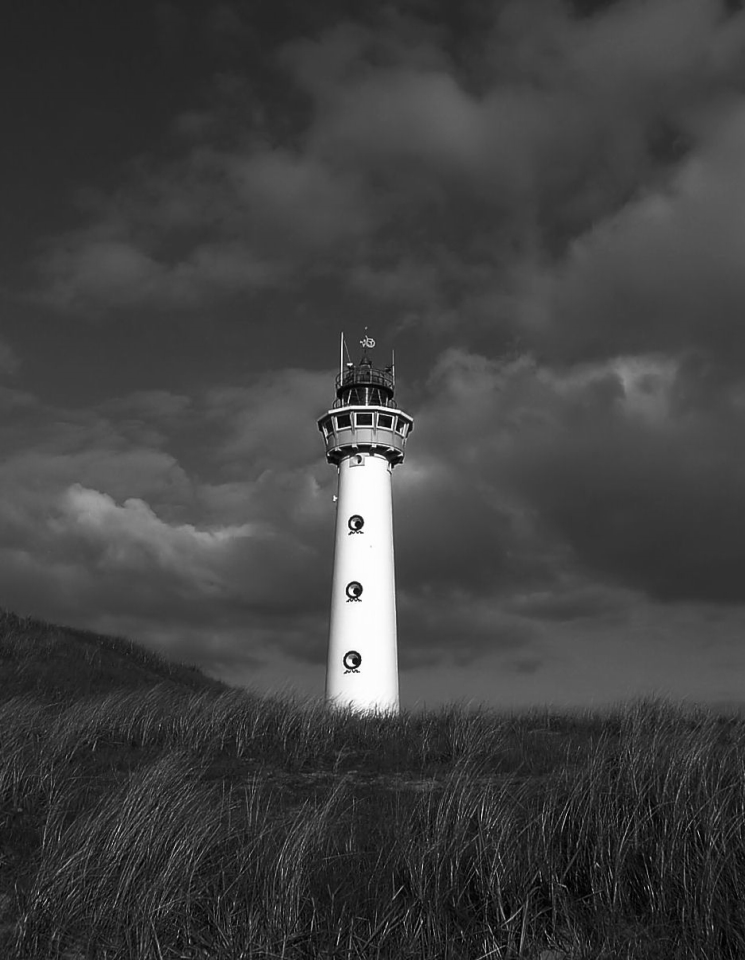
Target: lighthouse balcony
x,y
381,430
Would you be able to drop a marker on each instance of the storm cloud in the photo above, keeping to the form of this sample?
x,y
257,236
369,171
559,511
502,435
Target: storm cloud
x,y
539,203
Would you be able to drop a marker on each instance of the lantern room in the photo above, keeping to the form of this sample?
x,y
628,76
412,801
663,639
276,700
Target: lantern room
x,y
364,416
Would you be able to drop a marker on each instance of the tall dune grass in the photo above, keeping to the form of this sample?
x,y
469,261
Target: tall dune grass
x,y
220,825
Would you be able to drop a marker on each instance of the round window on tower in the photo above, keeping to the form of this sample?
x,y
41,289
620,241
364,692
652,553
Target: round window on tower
x,y
354,590
352,660
355,523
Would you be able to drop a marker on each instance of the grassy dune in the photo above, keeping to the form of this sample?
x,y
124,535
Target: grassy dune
x,y
176,818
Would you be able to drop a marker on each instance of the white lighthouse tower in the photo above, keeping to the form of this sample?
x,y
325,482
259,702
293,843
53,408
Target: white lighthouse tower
x,y
365,436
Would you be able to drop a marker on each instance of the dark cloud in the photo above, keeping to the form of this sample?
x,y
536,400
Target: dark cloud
x,y
550,191
620,461
664,273
9,360
453,627
527,665
526,496
438,168
449,534
660,514
267,424
171,27
565,603
100,517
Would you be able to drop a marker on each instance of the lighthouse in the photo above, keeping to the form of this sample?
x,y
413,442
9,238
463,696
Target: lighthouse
x,y
365,435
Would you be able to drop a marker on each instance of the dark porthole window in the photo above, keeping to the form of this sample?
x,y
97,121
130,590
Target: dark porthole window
x,y
384,420
400,426
364,419
352,660
343,420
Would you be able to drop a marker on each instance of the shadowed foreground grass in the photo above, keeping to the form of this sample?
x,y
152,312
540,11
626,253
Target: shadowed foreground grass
x,y
171,822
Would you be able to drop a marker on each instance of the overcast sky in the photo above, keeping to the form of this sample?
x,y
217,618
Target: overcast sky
x,y
539,204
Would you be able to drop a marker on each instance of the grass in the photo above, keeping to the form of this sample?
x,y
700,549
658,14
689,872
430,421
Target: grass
x,y
181,819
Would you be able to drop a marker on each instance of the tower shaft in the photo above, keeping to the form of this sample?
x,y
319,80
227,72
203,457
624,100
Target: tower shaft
x,y
363,626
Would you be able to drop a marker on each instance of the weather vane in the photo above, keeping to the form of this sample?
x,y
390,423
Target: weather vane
x,y
367,343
